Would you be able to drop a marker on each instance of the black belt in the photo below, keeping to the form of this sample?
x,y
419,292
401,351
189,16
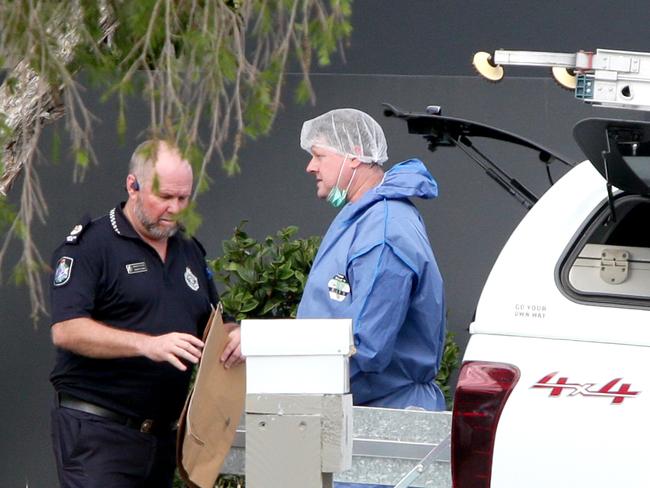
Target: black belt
x,y
148,426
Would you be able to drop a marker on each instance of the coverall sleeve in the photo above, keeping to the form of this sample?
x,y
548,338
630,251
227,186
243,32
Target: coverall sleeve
x,y
381,286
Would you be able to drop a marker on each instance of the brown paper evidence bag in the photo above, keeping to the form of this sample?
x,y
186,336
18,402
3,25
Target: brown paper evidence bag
x,y
212,411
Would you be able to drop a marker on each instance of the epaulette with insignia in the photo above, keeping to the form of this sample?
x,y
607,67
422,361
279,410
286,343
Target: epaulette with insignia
x,y
76,232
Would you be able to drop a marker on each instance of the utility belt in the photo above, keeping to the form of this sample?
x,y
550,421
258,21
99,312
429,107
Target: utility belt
x,y
148,426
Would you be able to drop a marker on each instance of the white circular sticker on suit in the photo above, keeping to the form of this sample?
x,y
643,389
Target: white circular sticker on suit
x,y
338,287
191,279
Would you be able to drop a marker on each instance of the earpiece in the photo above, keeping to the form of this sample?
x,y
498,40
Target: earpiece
x,y
135,186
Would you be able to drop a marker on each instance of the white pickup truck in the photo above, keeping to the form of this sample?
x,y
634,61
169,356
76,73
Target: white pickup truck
x,y
556,376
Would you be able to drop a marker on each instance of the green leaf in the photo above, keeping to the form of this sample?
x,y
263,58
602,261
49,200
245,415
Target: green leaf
x,y
303,92
285,272
7,215
249,305
19,274
81,158
230,266
20,229
191,219
345,7
271,305
231,166
248,275
448,364
203,183
288,232
227,62
194,155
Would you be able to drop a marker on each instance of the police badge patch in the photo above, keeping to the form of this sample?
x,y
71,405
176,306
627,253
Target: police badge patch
x,y
63,271
338,287
191,280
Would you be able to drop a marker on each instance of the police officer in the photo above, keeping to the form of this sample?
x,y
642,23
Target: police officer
x,y
130,296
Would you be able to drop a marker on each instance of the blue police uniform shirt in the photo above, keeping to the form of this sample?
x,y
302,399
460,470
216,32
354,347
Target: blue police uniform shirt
x,y
106,272
375,266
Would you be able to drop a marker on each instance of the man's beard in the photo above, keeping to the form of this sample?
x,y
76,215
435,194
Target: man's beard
x,y
155,230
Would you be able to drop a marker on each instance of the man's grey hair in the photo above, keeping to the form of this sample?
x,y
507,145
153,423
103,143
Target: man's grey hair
x,y
143,159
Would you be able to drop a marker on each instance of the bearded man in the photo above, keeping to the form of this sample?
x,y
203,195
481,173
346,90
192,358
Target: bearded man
x,y
130,296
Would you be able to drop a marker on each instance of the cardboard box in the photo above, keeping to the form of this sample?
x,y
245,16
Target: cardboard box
x,y
297,355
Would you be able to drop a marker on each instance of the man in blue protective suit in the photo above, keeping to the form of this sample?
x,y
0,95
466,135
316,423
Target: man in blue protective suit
x,y
375,264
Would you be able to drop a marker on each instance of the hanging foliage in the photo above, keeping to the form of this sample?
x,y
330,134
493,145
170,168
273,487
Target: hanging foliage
x,y
210,67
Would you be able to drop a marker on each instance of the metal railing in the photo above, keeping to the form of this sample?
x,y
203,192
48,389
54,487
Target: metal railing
x,y
398,448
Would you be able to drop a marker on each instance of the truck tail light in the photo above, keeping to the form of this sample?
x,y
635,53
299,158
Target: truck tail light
x,y
481,394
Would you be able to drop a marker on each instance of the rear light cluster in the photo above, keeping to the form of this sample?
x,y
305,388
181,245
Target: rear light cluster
x,y
482,391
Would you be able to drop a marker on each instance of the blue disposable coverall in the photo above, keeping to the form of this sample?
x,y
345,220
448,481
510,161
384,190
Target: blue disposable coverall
x,y
396,298
379,246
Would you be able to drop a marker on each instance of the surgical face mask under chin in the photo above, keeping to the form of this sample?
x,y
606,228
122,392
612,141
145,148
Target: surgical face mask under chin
x,y
337,197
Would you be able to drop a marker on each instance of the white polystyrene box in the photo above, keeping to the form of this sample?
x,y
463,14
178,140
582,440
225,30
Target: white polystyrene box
x,y
297,355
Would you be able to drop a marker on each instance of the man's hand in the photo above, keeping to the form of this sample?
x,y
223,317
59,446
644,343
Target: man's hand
x,y
231,355
172,348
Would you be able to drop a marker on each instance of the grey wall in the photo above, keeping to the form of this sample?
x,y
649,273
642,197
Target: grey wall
x,y
411,53
423,37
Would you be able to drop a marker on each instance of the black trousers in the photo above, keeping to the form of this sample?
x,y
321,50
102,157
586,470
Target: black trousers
x,y
94,452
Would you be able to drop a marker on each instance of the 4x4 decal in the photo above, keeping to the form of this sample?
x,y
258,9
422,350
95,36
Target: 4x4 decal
x,y
561,384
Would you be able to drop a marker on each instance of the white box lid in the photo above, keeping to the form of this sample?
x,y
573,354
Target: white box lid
x,y
296,337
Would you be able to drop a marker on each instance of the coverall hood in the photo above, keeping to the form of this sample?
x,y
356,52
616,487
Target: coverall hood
x,y
407,179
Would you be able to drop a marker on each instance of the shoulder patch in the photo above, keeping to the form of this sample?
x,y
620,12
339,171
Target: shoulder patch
x,y
63,270
76,232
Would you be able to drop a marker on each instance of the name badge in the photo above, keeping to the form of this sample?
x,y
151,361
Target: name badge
x,y
134,268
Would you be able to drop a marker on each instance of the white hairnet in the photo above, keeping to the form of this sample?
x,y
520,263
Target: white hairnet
x,y
346,131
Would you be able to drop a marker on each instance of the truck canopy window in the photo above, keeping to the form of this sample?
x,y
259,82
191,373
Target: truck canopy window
x,y
610,261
